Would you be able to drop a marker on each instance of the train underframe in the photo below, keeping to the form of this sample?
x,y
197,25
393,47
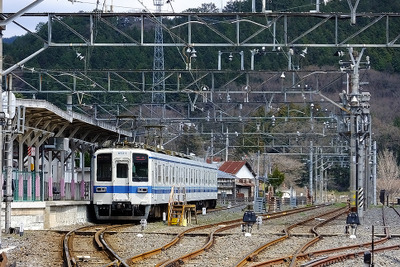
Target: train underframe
x,y
128,211
122,210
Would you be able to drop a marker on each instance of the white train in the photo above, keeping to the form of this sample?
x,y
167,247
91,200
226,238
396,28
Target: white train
x,y
135,183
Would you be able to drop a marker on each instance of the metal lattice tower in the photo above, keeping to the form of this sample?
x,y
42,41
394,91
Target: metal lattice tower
x,y
158,95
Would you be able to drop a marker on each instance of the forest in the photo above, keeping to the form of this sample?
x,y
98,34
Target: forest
x,y
382,79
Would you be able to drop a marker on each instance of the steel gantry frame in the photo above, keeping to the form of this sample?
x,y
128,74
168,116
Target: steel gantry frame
x,y
276,31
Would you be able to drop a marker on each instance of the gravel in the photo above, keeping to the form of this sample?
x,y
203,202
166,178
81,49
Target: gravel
x,y
44,248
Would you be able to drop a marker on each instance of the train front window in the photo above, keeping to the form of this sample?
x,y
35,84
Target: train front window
x,y
140,168
122,170
103,162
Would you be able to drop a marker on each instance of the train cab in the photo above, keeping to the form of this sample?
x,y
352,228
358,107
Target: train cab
x,y
121,180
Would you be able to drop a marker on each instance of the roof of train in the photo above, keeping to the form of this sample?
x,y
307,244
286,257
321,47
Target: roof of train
x,y
159,153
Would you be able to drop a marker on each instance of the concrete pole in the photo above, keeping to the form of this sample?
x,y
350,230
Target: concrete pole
x,y
50,175
374,173
227,145
1,123
311,172
82,165
356,150
316,176
321,180
9,163
20,168
61,177
73,149
37,171
361,178
353,161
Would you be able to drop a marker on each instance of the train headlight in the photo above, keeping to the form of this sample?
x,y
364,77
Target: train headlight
x,y
142,190
101,189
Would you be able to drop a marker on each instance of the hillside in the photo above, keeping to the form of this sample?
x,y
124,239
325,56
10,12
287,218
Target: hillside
x,y
383,78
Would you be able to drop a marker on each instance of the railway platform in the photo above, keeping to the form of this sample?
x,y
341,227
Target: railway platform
x,y
50,186
42,215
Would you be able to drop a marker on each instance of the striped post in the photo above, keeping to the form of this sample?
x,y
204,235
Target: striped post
x,y
360,198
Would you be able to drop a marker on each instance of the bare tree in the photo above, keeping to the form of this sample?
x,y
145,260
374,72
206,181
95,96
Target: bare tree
x,y
388,173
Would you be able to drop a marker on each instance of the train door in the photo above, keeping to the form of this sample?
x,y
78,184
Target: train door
x,y
121,192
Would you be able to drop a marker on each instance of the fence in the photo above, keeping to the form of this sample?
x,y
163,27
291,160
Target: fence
x,y
30,186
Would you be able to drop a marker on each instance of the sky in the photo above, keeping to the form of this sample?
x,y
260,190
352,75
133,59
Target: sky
x,y
12,6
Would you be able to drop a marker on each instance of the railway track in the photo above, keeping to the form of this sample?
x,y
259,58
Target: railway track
x,y
316,221
204,244
328,260
200,240
86,246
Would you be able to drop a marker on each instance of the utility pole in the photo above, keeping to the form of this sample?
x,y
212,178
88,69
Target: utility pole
x,y
311,173
9,151
227,145
2,118
360,121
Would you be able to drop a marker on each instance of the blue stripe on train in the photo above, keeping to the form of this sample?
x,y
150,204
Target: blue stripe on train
x,y
150,189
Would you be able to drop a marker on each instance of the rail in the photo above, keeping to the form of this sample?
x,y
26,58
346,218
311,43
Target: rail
x,y
252,255
230,224
338,258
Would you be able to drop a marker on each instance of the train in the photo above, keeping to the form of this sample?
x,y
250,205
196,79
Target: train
x,y
135,182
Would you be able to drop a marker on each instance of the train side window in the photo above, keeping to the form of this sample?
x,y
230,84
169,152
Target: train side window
x,y
103,162
183,181
122,170
159,179
180,176
166,174
140,168
173,175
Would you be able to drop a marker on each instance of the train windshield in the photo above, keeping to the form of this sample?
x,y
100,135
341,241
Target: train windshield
x,y
103,162
122,170
140,168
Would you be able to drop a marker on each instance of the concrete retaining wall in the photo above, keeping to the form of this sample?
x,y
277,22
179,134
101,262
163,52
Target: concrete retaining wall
x,y
42,215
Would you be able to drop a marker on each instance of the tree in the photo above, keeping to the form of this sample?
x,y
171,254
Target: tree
x,y
204,8
388,173
189,142
276,178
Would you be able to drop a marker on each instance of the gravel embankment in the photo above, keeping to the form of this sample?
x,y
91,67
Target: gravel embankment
x,y
43,248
